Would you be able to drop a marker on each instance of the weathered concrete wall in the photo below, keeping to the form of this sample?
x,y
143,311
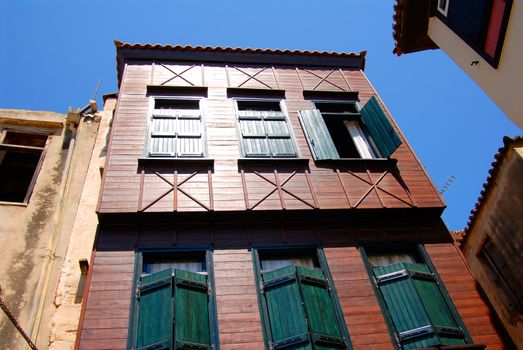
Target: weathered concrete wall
x,y
26,229
79,229
501,219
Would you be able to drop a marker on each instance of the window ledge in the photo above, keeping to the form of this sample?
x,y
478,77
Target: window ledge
x,y
273,160
458,347
361,161
14,204
169,160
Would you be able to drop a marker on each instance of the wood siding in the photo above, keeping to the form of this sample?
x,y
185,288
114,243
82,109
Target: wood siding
x,y
232,186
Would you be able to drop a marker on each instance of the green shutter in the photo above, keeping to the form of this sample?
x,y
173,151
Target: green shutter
x,y
288,325
318,135
380,128
155,311
419,312
437,308
323,324
163,136
191,311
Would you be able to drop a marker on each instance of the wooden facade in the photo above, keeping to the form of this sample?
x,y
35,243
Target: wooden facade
x,y
234,206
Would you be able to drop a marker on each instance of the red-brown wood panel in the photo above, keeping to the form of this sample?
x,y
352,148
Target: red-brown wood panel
x,y
328,186
237,303
461,286
360,307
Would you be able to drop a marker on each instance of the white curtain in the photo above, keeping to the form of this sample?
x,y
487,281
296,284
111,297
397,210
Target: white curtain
x,y
389,259
360,140
187,265
276,263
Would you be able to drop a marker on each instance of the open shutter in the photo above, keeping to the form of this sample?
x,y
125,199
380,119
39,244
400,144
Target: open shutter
x,y
190,140
380,128
323,323
420,313
155,312
406,310
439,312
288,325
318,135
191,311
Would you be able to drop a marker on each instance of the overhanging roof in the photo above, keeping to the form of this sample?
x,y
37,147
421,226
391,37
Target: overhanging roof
x,y
128,51
410,27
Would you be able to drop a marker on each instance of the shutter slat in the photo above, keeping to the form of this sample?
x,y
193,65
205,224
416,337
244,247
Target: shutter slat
x,y
191,310
380,128
318,135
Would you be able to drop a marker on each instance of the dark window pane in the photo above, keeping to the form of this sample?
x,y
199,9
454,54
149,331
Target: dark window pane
x,y
176,104
16,172
24,139
259,106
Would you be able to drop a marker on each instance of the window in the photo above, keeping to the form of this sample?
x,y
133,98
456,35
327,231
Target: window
x,y
176,129
21,155
298,303
481,24
264,130
504,273
174,303
418,308
337,130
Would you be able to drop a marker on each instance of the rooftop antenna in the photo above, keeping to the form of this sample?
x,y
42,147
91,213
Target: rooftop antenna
x,y
97,88
447,184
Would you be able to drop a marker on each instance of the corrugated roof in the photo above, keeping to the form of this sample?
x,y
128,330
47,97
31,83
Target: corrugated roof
x,y
233,50
493,172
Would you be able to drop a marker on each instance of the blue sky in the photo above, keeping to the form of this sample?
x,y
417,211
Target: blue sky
x,y
53,53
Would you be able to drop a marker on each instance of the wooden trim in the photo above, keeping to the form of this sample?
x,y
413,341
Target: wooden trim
x,y
85,296
343,187
39,165
345,79
275,77
166,161
275,161
198,91
140,192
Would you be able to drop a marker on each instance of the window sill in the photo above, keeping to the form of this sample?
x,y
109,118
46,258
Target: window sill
x,y
273,160
168,161
358,161
14,204
457,347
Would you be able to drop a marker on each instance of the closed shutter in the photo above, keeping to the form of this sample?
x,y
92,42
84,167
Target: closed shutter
x,y
323,324
288,325
253,135
189,134
155,311
380,128
163,136
420,314
470,19
280,141
318,135
191,311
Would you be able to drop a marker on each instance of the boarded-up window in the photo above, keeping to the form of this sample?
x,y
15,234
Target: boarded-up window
x,y
21,155
299,307
421,312
176,129
173,305
506,273
264,130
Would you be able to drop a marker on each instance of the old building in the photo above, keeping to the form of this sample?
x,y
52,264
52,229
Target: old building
x,y
259,199
492,242
482,37
44,157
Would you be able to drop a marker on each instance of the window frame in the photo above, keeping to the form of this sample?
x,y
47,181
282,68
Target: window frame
x,y
323,265
148,136
283,108
419,249
39,164
137,274
492,61
351,117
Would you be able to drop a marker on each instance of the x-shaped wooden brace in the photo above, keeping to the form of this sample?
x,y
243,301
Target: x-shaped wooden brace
x,y
278,186
374,185
176,186
177,75
252,76
324,79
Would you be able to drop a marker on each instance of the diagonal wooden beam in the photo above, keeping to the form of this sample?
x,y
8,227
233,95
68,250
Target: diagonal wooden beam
x,y
157,199
253,76
177,75
323,79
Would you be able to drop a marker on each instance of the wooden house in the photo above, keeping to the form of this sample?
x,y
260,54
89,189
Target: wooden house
x,y
266,199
